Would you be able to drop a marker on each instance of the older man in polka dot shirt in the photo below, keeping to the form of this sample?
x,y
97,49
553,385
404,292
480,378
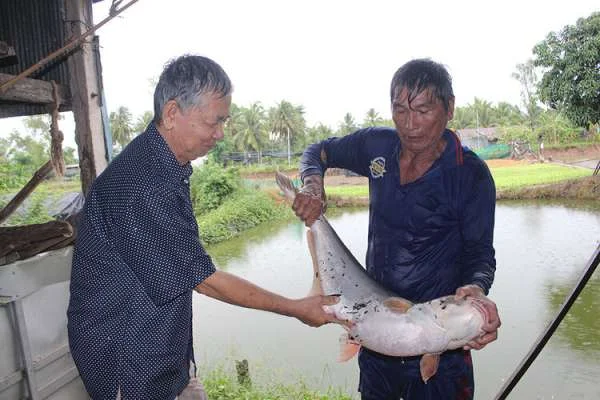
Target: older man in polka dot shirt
x,y
138,256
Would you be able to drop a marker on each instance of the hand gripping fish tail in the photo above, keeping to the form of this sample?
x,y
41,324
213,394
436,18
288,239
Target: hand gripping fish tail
x,y
380,320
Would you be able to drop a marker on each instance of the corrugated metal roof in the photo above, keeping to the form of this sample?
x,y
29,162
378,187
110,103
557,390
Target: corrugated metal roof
x,y
35,28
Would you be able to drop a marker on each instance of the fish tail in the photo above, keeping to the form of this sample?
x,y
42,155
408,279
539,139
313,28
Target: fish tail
x,y
286,186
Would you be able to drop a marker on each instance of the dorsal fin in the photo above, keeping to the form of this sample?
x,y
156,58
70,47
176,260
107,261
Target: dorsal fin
x,y
397,304
286,186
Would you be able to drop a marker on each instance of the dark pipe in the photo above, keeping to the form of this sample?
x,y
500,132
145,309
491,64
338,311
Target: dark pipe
x,y
543,339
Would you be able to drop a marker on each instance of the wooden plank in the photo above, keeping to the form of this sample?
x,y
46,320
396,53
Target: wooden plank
x,y
85,84
33,91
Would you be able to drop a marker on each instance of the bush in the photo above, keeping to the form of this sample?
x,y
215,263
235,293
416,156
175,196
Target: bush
x,y
211,184
14,176
246,209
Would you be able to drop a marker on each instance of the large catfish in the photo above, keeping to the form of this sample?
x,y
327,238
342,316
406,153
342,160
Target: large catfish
x,y
380,320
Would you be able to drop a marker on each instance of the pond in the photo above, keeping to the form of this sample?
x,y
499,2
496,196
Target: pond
x,y
541,251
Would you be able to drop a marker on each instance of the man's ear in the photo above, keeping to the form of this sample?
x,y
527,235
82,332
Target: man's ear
x,y
450,109
169,113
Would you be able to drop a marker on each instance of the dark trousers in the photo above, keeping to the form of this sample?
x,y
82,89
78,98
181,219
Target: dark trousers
x,y
399,378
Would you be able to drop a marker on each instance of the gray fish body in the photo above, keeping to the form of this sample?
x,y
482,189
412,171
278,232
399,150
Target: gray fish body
x,y
382,321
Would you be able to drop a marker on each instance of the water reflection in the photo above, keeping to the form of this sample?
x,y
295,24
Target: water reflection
x,y
541,249
580,328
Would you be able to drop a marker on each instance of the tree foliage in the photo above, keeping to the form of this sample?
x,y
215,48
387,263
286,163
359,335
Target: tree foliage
x,y
372,118
286,119
348,125
527,77
571,59
121,126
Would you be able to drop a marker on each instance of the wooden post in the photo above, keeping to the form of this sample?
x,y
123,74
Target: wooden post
x,y
86,95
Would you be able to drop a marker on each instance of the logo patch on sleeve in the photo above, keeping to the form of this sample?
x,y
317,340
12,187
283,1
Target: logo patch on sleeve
x,y
377,167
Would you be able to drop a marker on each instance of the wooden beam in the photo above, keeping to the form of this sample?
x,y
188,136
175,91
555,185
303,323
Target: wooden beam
x,y
33,91
85,81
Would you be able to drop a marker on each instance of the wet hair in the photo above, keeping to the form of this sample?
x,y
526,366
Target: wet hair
x,y
421,74
186,79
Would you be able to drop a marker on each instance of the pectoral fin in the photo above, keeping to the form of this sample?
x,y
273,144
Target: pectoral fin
x,y
429,365
348,347
397,304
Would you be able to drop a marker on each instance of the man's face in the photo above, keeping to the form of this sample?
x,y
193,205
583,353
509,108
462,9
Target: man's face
x,y
421,123
197,130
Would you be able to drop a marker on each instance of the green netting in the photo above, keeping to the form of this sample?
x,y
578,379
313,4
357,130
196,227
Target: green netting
x,y
499,150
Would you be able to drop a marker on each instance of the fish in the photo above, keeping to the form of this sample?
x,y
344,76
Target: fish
x,y
378,319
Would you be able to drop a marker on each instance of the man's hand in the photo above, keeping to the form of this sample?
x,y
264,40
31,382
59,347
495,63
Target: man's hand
x,y
310,201
490,327
311,310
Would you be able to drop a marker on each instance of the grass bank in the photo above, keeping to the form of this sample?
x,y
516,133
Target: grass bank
x,y
245,209
520,181
220,385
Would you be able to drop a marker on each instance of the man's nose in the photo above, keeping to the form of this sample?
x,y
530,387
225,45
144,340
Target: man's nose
x,y
408,121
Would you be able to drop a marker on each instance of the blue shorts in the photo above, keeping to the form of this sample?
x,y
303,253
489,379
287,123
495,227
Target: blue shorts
x,y
394,378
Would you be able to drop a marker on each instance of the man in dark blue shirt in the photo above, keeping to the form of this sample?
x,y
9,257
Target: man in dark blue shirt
x,y
138,255
431,206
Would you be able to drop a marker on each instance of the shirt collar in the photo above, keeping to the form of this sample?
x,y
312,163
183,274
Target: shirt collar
x,y
168,164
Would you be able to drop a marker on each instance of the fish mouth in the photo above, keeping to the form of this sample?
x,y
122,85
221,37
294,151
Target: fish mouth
x,y
478,305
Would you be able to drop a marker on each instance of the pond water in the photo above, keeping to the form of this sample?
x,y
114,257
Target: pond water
x,y
541,251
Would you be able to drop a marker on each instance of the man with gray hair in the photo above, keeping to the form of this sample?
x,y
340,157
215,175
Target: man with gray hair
x,y
138,255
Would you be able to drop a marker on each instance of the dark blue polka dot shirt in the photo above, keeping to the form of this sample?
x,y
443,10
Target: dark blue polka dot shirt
x,y
136,260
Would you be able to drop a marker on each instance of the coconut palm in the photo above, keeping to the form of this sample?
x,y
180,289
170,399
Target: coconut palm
x,y
251,134
121,126
348,125
507,114
287,121
372,118
142,122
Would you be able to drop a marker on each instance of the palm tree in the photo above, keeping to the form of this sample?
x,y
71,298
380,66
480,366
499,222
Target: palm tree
x,y
463,118
287,120
507,114
348,125
251,134
317,133
143,121
120,126
483,112
372,118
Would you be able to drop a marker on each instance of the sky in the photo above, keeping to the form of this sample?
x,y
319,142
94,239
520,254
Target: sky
x,y
330,56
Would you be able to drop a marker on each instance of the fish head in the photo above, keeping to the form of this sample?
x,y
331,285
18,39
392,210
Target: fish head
x,y
463,318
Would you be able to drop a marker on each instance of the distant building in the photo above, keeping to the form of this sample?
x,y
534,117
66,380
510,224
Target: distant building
x,y
477,138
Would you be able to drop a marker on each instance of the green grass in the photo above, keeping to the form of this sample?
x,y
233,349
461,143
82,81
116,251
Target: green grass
x,y
504,177
220,385
348,191
535,174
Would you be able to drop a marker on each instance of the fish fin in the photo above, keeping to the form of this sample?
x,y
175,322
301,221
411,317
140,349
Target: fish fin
x,y
397,304
316,284
286,186
348,347
429,365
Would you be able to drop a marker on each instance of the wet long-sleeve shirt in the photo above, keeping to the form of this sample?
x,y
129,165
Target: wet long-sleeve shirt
x,y
428,237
